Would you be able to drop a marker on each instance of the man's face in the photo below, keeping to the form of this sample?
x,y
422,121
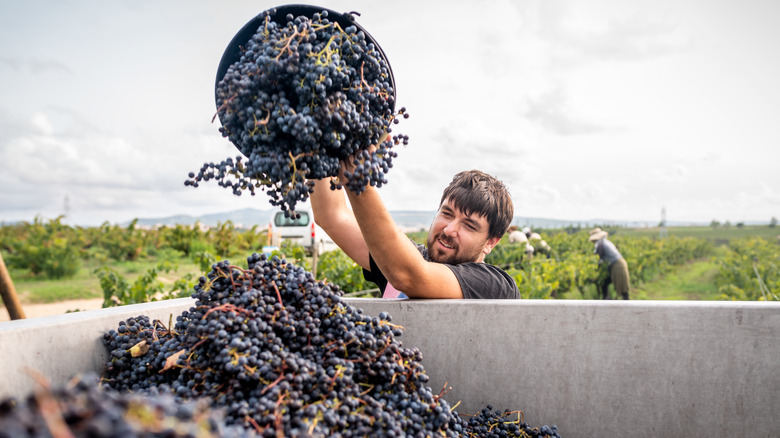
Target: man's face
x,y
456,238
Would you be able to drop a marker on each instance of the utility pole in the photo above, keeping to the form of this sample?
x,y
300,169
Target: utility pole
x,y
662,225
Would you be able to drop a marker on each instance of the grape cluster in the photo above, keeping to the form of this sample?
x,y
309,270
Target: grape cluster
x,y
284,355
492,424
81,409
305,96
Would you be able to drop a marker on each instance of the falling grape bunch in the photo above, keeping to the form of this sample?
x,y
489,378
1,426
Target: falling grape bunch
x,y
304,97
282,354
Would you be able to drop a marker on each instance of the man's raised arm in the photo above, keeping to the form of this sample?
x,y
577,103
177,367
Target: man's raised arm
x,y
333,215
395,255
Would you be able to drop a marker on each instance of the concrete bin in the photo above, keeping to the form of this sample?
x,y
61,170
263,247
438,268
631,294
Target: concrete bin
x,y
593,368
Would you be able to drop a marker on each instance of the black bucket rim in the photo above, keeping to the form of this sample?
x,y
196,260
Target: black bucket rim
x,y
279,14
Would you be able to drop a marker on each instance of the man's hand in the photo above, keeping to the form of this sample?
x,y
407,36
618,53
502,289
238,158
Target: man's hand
x,y
347,167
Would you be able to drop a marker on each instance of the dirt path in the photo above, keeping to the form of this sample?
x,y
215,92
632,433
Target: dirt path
x,y
38,310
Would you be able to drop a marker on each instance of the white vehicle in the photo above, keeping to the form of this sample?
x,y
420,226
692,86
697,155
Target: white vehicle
x,y
302,230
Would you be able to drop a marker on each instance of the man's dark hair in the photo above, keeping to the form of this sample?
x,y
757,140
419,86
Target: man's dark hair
x,y
474,191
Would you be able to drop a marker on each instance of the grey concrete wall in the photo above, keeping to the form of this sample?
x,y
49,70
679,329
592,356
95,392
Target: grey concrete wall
x,y
594,368
60,347
606,368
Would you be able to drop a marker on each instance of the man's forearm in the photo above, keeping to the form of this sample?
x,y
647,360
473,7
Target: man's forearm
x,y
389,247
326,204
335,217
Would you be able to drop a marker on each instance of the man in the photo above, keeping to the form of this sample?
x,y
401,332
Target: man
x,y
616,264
474,212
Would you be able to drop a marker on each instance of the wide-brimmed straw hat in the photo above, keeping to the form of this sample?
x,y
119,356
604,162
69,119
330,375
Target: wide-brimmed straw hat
x,y
597,234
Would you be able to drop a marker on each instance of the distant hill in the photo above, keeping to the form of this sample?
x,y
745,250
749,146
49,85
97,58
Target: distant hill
x,y
249,217
408,219
245,218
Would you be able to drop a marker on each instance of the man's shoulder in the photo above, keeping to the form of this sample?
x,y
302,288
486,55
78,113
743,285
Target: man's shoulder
x,y
483,280
483,266
422,248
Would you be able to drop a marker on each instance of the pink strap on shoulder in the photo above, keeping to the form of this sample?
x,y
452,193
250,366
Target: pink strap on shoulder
x,y
391,292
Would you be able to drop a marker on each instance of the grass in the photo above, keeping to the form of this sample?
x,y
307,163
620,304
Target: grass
x,y
693,281
85,284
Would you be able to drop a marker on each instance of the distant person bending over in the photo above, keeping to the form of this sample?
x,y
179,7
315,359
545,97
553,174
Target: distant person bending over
x,y
516,236
539,244
616,264
519,237
474,212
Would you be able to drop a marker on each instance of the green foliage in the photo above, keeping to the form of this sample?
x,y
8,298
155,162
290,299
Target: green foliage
x,y
294,252
200,246
223,238
96,254
571,266
420,237
507,255
531,282
204,260
183,238
117,291
648,258
719,235
747,266
750,270
44,248
543,277
336,267
169,255
227,241
56,250
123,243
59,259
115,287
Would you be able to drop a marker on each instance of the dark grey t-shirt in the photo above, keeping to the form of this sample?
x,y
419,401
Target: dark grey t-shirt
x,y
477,280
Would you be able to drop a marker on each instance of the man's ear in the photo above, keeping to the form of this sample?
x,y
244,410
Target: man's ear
x,y
490,244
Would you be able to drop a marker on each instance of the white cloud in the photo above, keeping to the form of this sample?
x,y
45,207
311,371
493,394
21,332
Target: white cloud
x,y
34,65
552,111
41,122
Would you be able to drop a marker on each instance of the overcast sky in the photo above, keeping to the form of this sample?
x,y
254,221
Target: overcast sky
x,y
612,109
